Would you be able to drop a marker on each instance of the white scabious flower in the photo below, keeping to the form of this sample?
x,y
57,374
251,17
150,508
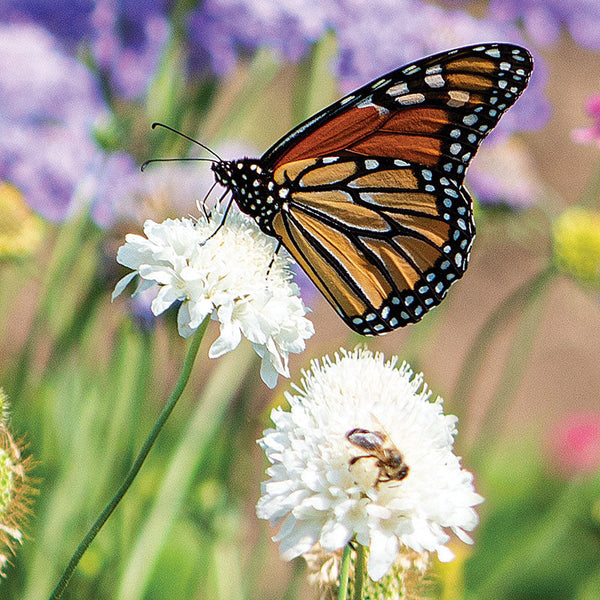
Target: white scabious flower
x,y
319,491
233,276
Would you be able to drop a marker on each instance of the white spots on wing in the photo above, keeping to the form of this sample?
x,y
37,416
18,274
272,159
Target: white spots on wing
x,y
505,66
493,52
434,69
327,160
470,120
347,99
455,148
401,163
435,81
411,99
458,98
371,164
398,90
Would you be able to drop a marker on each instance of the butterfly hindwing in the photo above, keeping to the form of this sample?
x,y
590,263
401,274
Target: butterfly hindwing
x,y
383,239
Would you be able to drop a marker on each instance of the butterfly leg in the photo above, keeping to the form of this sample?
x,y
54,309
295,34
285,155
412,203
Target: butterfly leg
x,y
202,205
222,220
274,255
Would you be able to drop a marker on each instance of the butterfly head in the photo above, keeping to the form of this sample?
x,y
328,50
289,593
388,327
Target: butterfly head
x,y
252,189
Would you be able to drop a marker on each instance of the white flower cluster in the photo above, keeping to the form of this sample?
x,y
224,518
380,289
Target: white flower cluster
x,y
233,276
320,491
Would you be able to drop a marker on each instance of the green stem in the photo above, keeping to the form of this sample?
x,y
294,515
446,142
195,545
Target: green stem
x,y
516,364
139,461
345,573
359,571
476,355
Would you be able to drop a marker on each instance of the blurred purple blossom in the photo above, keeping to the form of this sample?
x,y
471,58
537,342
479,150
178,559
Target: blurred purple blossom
x,y
590,135
127,42
504,174
50,107
126,37
381,35
224,28
69,20
543,19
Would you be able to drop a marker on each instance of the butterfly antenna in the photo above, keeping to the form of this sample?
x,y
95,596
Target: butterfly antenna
x,y
187,137
153,160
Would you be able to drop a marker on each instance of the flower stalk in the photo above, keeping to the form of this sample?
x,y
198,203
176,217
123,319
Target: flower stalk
x,y
137,465
359,571
345,573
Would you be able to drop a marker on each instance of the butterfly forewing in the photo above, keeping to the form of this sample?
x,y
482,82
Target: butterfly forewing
x,y
367,195
434,112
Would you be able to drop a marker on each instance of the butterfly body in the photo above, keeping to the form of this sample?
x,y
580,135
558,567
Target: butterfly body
x,y
367,195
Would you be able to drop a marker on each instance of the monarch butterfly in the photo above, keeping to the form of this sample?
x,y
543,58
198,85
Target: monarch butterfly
x,y
367,194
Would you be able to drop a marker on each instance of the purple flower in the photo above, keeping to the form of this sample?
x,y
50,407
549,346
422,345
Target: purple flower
x,y
381,35
543,19
503,173
69,20
590,135
224,28
50,107
126,36
127,41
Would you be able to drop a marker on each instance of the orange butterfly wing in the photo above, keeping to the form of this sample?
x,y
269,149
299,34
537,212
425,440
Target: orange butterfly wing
x,y
373,237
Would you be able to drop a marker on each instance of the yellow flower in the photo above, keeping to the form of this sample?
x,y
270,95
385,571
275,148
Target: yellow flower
x,y
20,229
576,239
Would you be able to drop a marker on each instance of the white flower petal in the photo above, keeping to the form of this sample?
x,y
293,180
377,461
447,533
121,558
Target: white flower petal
x,y
229,340
165,297
335,535
122,284
382,553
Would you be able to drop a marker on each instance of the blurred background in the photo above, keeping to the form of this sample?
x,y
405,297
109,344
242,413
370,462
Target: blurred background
x,y
514,349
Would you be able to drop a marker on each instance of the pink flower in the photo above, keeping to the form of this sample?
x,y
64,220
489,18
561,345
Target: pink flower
x,y
590,135
574,443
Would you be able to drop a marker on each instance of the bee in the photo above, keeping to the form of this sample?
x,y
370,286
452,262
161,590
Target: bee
x,y
377,445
